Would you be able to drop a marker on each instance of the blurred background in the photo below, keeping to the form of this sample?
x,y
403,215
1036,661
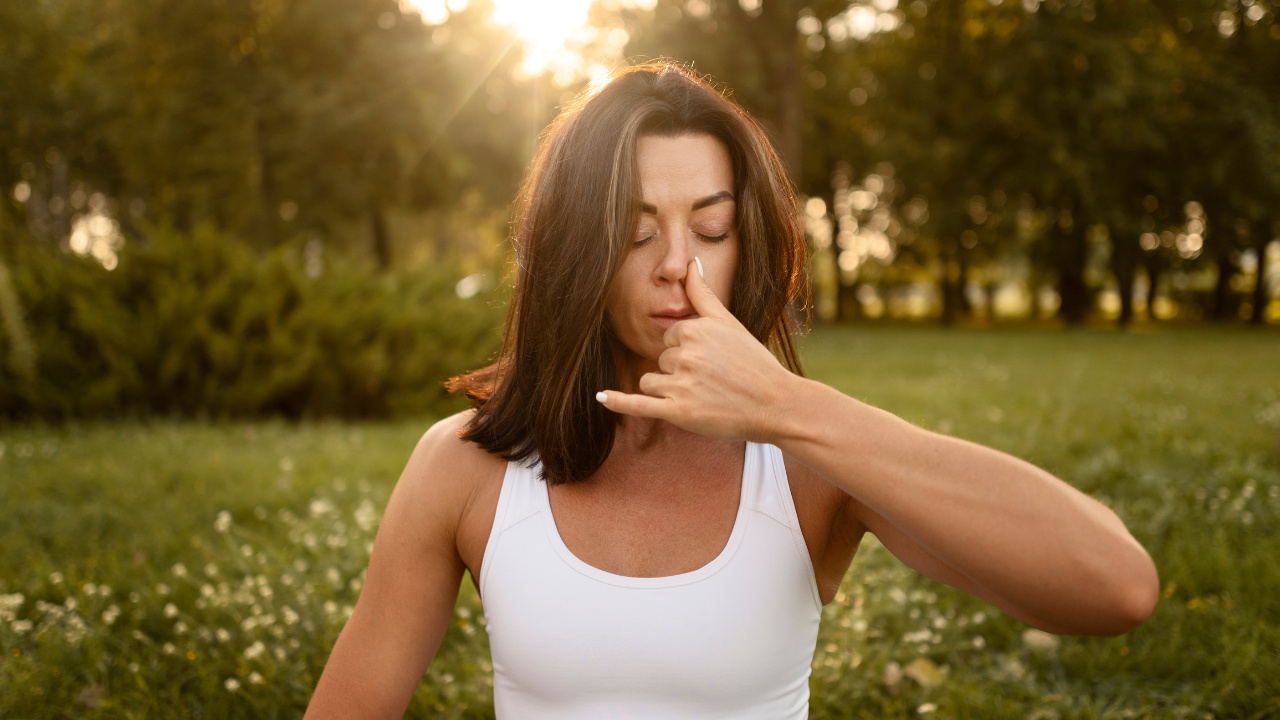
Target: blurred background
x,y
300,207
243,241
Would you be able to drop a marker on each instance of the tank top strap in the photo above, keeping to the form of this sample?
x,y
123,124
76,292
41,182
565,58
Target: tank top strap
x,y
519,499
771,496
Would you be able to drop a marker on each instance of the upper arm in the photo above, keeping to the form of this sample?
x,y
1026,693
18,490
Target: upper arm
x,y
411,586
920,559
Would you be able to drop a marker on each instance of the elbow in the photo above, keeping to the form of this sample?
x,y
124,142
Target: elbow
x,y
1133,598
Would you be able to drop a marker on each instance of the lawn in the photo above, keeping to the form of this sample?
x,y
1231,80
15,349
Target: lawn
x,y
198,569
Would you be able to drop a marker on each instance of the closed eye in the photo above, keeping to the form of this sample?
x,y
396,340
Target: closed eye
x,y
714,238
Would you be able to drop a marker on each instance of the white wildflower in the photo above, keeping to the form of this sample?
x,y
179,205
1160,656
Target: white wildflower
x,y
210,569
168,648
232,684
90,589
134,597
255,678
222,635
1039,640
180,628
179,570
21,626
170,610
76,629
55,578
249,624
289,614
926,708
72,603
162,589
918,636
133,667
223,522
279,652
979,642
253,651
330,607
110,614
9,605
104,591
366,515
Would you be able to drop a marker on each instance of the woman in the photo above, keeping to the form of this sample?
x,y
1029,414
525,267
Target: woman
x,y
654,505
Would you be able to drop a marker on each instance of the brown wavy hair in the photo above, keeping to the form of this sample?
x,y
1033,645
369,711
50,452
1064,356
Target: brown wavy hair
x,y
575,218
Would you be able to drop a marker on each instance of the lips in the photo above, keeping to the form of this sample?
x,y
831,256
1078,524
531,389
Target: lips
x,y
665,321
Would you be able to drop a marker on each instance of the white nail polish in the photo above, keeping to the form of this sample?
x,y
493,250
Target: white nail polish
x,y
700,273
602,397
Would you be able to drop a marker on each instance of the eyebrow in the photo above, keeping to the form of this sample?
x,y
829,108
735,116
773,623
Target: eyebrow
x,y
719,197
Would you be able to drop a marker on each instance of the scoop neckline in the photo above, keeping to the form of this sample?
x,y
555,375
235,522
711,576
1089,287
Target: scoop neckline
x,y
665,581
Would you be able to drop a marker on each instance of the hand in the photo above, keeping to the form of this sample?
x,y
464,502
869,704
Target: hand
x,y
716,379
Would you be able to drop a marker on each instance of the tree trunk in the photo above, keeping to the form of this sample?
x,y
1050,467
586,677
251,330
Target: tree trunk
x,y
1261,238
1072,290
1222,289
381,237
962,285
947,281
1124,270
1153,282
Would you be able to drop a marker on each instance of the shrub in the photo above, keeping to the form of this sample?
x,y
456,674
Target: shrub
x,y
200,324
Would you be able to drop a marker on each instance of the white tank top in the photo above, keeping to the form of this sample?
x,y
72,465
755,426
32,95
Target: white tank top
x,y
732,639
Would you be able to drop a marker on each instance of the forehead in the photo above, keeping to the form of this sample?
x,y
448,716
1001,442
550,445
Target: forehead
x,y
682,167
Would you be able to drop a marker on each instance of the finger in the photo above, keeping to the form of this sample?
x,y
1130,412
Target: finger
x,y
668,360
656,385
638,405
702,297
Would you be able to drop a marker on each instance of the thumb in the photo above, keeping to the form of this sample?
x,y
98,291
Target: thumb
x,y
702,297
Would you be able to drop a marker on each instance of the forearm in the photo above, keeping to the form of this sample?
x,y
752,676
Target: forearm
x,y
1013,529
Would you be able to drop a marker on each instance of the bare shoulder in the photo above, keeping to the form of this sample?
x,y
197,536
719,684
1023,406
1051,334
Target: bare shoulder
x,y
442,457
445,475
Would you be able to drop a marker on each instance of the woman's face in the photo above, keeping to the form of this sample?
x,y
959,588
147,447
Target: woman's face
x,y
686,185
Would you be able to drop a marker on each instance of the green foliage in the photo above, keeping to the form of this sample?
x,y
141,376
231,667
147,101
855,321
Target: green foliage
x,y
1174,431
200,325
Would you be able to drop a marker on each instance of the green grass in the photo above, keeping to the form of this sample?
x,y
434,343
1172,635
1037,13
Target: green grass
x,y
1176,431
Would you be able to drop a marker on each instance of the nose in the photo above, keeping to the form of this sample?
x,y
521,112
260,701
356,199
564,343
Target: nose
x,y
677,255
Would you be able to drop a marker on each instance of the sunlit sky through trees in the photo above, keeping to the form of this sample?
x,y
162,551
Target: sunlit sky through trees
x,y
549,30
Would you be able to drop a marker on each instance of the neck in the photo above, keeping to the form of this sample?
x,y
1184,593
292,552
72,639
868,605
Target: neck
x,y
640,433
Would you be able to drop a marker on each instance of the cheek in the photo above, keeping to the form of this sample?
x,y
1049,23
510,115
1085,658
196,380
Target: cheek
x,y
722,283
620,298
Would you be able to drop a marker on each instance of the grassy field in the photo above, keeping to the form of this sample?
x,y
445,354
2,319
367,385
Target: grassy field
x,y
186,569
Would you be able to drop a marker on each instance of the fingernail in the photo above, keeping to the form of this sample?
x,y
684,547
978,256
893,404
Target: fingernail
x,y
602,397
700,273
